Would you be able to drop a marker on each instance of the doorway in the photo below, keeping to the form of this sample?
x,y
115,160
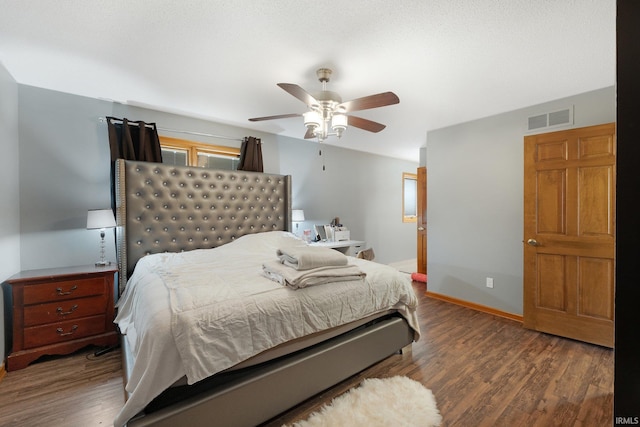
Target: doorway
x,y
421,220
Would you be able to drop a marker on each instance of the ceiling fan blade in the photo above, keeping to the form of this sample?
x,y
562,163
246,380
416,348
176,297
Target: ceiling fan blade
x,y
299,93
280,116
365,124
371,101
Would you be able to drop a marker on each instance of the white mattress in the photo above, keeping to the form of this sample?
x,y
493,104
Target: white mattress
x,y
177,307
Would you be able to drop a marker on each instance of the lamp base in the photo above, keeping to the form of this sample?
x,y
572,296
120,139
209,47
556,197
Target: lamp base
x,y
102,263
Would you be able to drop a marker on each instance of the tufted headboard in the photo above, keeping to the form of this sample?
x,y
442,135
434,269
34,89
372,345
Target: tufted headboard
x,y
165,208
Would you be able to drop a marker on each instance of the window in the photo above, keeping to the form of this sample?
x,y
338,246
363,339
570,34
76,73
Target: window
x,y
188,153
409,197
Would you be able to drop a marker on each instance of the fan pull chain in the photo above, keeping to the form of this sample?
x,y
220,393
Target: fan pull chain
x,y
320,154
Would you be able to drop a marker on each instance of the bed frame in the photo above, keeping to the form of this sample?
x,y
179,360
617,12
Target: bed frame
x,y
165,208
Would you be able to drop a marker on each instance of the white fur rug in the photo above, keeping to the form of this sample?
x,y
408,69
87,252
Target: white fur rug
x,y
395,401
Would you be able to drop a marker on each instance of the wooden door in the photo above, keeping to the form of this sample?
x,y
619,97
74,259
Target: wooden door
x,y
569,233
422,219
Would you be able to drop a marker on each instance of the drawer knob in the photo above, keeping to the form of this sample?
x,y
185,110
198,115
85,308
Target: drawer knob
x,y
62,333
64,313
69,292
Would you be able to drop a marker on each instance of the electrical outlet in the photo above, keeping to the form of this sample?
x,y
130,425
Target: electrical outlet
x,y
489,282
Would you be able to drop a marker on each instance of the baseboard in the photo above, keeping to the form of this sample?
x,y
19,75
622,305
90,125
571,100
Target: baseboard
x,y
474,306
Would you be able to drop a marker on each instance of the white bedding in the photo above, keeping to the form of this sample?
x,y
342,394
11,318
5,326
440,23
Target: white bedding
x,y
177,305
309,257
297,279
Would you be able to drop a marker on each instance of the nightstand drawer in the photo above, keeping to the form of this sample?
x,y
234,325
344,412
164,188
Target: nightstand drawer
x,y
37,336
47,292
63,310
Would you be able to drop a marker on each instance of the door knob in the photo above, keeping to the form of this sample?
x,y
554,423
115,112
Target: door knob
x,y
420,228
533,242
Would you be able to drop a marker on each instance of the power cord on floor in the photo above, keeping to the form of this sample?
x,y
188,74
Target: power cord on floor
x,y
101,352
105,350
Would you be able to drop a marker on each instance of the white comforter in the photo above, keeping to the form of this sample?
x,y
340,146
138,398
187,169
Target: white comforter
x,y
177,306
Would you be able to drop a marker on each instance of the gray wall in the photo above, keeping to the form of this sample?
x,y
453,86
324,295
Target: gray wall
x,y
64,171
475,200
9,187
474,177
363,190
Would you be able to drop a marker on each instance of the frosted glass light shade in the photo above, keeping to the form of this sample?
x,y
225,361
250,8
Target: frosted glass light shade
x,y
311,119
339,121
100,218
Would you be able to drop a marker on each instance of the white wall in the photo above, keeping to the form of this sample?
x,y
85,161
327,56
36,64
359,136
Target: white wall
x,y
9,187
475,200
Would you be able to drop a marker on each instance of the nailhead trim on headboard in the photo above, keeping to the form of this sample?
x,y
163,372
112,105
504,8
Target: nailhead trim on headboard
x,y
166,208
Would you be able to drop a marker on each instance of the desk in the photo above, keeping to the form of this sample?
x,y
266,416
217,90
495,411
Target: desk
x,y
347,247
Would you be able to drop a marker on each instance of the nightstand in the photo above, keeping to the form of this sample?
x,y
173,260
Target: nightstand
x,y
58,311
347,247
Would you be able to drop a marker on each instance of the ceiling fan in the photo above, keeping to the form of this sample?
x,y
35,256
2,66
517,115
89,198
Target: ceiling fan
x,y
328,113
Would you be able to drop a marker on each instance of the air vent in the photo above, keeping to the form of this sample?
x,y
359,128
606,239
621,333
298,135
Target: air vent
x,y
562,117
537,122
552,119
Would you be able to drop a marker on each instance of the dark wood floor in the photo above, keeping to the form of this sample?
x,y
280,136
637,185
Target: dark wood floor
x,y
482,369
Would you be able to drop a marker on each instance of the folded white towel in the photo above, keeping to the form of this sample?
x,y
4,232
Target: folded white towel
x,y
297,279
308,257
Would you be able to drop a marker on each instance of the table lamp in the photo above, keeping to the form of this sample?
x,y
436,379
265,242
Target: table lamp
x,y
101,219
297,216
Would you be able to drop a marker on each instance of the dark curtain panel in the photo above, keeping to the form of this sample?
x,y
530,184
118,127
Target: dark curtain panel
x,y
131,140
251,155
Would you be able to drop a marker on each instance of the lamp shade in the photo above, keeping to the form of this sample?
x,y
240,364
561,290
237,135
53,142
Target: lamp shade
x,y
100,218
297,215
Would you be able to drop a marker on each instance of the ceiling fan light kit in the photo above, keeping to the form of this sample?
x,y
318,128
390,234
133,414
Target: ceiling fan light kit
x,y
317,123
327,115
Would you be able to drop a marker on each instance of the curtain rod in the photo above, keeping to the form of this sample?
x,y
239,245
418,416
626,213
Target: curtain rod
x,y
103,119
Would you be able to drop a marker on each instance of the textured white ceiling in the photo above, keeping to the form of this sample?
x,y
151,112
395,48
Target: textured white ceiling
x,y
449,61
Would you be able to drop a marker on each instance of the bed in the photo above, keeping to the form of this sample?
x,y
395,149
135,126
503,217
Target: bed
x,y
208,338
